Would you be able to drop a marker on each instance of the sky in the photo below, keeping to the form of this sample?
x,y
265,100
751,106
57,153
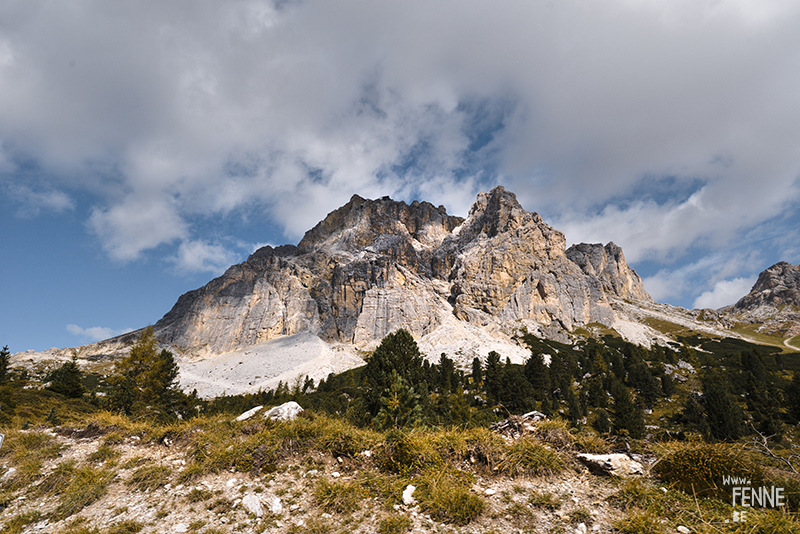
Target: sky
x,y
146,146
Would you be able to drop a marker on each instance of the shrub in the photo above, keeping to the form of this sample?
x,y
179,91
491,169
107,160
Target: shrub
x,y
446,496
128,526
86,487
15,524
394,524
638,522
527,455
149,477
338,497
699,468
545,499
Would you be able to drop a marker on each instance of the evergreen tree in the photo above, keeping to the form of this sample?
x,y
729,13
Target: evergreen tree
x,y
447,378
628,416
493,379
792,394
477,371
4,363
538,375
67,380
397,352
146,378
601,422
400,406
725,418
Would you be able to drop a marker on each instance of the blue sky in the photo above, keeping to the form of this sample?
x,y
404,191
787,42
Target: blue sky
x,y
145,146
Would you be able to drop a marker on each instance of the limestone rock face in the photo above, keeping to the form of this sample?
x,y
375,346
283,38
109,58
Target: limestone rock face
x,y
373,266
607,264
777,286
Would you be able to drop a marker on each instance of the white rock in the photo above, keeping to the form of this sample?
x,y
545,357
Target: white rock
x,y
581,529
180,527
683,530
489,491
249,413
252,504
287,411
231,483
336,474
275,507
617,464
408,495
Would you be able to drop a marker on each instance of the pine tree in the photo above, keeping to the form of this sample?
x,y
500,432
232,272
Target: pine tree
x,y
477,371
400,406
628,416
397,352
493,376
67,380
538,375
4,363
146,378
725,418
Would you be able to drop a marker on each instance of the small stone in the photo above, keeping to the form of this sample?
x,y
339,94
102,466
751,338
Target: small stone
x,y
683,530
581,528
231,483
339,459
408,495
275,506
252,504
366,453
336,474
489,491
294,507
180,527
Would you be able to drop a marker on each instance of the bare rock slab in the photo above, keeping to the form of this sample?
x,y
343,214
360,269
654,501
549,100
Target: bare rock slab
x,y
618,464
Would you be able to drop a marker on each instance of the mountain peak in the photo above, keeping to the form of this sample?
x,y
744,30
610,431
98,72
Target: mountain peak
x,y
361,223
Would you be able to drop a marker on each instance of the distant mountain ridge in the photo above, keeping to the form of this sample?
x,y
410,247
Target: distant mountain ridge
x,y
373,266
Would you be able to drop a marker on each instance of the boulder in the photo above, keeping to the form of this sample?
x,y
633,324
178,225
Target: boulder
x,y
249,413
252,504
287,411
618,464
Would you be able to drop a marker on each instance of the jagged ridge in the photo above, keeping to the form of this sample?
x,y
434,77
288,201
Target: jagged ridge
x,y
373,266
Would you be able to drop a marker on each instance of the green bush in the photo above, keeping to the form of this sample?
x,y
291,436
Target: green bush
x,y
394,524
150,477
528,456
445,495
338,497
699,468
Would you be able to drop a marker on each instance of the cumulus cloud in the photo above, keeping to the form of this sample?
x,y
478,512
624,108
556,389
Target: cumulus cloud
x,y
32,202
96,333
725,293
170,113
201,256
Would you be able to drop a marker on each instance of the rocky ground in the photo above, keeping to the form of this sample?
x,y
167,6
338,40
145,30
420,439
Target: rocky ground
x,y
574,501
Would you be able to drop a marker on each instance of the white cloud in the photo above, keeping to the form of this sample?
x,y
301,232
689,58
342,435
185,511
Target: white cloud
x,y
201,256
170,112
32,203
96,333
725,293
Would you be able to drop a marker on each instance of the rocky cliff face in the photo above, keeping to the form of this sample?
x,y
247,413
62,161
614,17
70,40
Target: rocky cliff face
x,y
777,286
373,266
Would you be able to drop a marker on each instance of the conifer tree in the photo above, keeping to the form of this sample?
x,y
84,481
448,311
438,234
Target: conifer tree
x,y
67,379
725,418
4,363
146,377
628,416
538,375
493,376
397,352
400,405
477,371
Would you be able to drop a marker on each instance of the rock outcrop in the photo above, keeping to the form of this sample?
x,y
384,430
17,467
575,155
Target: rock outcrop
x,y
373,266
777,286
607,263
